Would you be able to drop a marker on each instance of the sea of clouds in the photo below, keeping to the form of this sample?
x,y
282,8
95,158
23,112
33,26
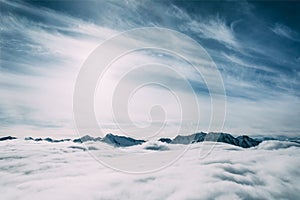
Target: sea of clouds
x,y
43,170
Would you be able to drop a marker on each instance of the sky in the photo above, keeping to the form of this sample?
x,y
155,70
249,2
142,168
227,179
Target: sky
x,y
255,46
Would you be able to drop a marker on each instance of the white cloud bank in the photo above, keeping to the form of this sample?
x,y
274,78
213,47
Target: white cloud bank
x,y
31,170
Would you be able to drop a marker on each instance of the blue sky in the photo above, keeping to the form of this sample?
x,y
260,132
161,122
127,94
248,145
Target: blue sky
x,y
255,45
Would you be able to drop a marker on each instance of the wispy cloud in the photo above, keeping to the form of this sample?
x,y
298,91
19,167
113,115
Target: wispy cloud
x,y
284,31
243,63
216,29
43,48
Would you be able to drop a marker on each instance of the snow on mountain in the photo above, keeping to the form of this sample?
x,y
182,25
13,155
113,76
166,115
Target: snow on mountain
x,y
121,141
87,138
196,137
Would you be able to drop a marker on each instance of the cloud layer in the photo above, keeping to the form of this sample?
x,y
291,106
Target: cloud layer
x,y
35,170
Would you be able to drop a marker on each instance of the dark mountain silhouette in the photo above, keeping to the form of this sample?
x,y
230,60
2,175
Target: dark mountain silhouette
x,y
7,138
123,141
241,141
46,139
87,138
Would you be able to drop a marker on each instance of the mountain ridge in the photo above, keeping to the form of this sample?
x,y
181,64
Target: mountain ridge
x,y
243,141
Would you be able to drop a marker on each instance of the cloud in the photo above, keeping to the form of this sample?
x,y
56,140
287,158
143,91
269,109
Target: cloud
x,y
44,45
275,145
270,116
43,170
215,29
285,32
40,62
244,63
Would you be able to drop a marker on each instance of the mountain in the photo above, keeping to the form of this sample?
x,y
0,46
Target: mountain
x,y
115,140
246,141
121,141
241,141
188,139
166,140
46,139
87,138
7,138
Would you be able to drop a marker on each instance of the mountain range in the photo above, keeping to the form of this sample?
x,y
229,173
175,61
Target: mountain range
x,y
243,141
123,141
